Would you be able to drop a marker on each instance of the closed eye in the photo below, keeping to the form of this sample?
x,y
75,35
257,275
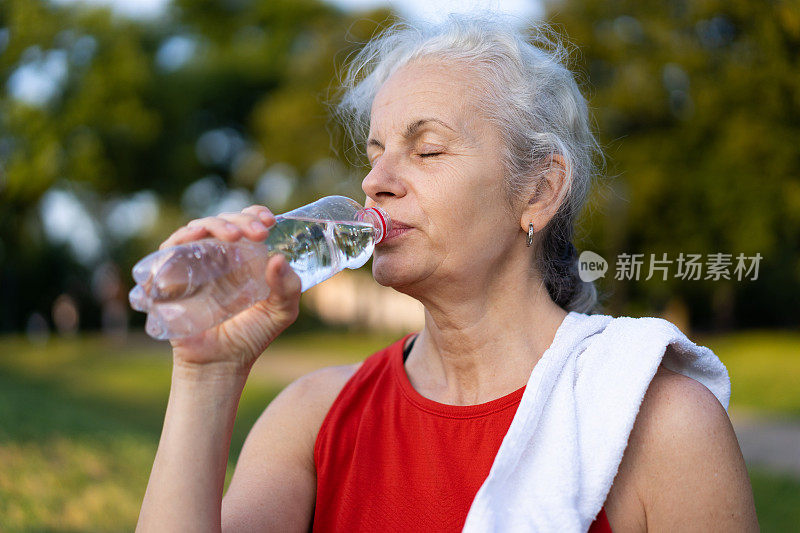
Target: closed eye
x,y
430,154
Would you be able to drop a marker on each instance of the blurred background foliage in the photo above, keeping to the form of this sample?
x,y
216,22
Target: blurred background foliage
x,y
115,131
698,108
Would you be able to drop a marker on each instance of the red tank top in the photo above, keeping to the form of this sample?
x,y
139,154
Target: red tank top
x,y
389,459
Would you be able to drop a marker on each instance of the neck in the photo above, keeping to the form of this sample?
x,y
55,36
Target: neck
x,y
482,340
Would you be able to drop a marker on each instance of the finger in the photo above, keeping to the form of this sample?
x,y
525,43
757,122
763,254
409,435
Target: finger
x,y
250,225
183,235
265,215
219,228
285,285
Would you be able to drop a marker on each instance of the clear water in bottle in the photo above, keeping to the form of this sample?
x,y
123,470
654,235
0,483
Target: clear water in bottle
x,y
318,249
188,288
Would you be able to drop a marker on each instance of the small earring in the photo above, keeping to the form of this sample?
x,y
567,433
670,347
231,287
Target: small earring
x,y
530,234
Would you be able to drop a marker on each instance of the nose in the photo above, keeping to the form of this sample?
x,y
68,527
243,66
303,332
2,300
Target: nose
x,y
383,181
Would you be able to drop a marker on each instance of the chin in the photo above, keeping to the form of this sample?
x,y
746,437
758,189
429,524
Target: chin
x,y
385,277
392,273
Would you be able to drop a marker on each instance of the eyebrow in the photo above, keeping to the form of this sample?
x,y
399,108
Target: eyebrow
x,y
412,130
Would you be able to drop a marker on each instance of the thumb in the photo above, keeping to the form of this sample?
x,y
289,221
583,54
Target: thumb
x,y
285,285
259,326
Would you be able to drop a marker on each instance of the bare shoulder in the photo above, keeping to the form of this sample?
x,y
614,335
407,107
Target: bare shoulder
x,y
308,399
273,487
683,462
321,387
297,412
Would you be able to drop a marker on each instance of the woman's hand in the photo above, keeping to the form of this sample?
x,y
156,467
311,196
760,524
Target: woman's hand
x,y
234,345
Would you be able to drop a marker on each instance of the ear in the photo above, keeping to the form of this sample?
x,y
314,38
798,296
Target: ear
x,y
547,196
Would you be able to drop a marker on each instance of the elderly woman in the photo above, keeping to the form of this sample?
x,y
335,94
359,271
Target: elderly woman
x,y
481,153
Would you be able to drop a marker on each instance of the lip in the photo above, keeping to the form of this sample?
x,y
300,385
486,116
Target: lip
x,y
398,229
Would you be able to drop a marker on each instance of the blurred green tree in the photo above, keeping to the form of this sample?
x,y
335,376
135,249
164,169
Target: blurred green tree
x,y
101,106
218,104
698,107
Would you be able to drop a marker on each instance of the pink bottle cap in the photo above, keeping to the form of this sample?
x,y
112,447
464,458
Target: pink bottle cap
x,y
380,219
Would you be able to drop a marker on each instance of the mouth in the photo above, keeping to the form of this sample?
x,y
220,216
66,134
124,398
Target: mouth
x,y
398,229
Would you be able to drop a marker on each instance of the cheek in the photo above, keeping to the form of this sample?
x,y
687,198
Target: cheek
x,y
483,224
452,199
462,203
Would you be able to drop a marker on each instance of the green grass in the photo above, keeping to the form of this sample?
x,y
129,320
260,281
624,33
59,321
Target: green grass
x,y
777,501
68,465
80,421
764,367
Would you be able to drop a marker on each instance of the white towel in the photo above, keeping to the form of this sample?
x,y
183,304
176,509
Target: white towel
x,y
564,446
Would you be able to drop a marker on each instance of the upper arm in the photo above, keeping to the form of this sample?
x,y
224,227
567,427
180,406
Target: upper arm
x,y
690,474
273,487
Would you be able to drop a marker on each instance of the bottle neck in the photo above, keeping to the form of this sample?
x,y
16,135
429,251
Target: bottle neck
x,y
380,221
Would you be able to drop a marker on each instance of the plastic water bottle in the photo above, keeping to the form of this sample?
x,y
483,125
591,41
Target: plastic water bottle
x,y
191,287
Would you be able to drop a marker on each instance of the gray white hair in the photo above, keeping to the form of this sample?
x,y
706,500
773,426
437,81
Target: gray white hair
x,y
530,94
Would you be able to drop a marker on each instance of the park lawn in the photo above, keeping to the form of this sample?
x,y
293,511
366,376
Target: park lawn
x,y
764,368
777,500
80,421
131,380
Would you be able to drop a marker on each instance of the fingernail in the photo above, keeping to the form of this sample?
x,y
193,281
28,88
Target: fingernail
x,y
258,226
266,217
231,227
